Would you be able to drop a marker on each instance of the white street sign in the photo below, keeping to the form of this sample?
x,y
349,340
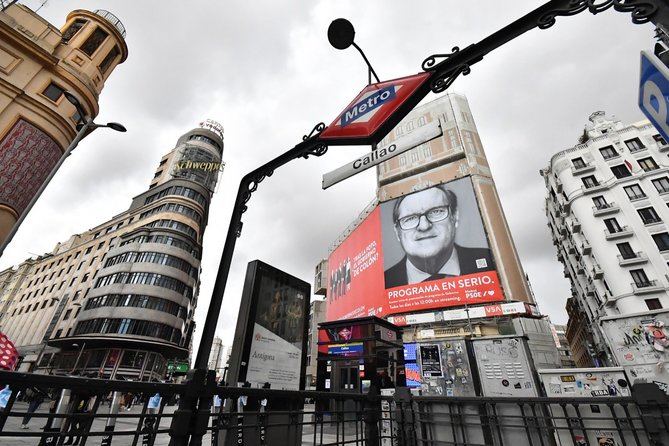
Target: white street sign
x,y
415,138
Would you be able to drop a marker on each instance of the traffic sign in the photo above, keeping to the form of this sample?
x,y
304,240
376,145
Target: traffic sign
x,y
372,107
419,136
654,92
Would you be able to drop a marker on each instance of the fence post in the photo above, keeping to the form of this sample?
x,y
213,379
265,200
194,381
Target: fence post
x,y
406,435
370,416
653,404
182,420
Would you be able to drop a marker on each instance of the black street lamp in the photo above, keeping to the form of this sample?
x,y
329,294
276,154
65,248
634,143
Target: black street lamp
x,y
84,126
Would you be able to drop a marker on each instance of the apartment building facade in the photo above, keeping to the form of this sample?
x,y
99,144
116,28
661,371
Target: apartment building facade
x,y
607,209
38,63
118,300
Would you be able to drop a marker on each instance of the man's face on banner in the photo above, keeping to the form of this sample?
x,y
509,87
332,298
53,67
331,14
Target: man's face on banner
x,y
425,225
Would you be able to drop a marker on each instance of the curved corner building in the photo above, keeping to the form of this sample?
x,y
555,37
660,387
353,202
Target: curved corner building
x,y
126,307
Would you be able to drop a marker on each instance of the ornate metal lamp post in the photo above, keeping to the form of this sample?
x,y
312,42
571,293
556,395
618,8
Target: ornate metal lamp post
x,y
443,70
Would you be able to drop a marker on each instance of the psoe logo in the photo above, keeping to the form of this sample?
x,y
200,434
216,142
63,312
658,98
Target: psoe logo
x,y
366,105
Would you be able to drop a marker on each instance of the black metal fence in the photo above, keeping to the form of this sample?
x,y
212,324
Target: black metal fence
x,y
92,411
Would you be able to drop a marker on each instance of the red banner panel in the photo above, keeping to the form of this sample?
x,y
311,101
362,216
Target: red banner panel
x,y
27,155
426,250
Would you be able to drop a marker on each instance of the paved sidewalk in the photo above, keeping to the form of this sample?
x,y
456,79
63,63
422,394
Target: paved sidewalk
x,y
13,424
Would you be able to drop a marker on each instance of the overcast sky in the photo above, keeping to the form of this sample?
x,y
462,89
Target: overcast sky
x,y
266,71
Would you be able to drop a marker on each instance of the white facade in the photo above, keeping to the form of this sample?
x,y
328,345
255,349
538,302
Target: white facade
x,y
607,211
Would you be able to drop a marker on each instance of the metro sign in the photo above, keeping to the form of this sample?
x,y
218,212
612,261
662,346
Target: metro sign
x,y
372,108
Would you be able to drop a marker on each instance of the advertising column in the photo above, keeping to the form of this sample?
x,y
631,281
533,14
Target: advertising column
x,y
269,351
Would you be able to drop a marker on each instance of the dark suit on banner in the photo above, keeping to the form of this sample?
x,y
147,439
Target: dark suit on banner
x,y
396,275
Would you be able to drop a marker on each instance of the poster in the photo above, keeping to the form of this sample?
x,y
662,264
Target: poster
x,y
640,344
426,250
430,361
270,339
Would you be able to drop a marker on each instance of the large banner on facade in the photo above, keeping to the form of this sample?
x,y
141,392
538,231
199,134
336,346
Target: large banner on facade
x,y
425,250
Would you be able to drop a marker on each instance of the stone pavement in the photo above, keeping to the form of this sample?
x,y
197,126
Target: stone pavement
x,y
13,424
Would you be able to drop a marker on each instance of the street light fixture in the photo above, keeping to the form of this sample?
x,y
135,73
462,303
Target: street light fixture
x,y
341,35
84,126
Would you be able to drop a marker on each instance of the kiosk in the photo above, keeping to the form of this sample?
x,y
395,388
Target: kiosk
x,y
355,355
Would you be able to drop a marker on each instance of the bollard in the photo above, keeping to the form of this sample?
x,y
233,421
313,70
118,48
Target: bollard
x,y
111,421
54,424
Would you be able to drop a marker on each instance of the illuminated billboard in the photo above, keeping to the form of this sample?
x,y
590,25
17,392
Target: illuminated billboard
x,y
271,335
421,251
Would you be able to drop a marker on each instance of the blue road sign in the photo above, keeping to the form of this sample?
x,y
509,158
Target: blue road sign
x,y
654,92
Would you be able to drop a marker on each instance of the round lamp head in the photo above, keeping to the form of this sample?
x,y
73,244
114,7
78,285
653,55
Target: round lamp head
x,y
341,34
116,126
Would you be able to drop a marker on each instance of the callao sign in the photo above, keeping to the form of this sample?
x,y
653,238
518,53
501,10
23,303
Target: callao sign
x,y
372,107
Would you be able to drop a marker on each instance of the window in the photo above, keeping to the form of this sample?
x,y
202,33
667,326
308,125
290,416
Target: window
x,y
109,58
608,152
653,304
93,260
578,163
101,245
661,184
88,250
67,314
85,278
94,41
590,181
620,171
72,30
648,215
648,164
626,251
634,192
612,225
634,145
43,305
58,333
661,240
659,140
640,278
53,92
80,265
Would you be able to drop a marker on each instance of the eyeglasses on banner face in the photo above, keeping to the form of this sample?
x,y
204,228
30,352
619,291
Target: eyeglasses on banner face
x,y
433,215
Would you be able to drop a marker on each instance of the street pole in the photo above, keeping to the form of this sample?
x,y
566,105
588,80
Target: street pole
x,y
81,352
84,126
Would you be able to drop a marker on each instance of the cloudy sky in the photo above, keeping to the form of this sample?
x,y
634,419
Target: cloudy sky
x,y
265,70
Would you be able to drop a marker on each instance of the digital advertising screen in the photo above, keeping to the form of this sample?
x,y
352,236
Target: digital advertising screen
x,y
425,250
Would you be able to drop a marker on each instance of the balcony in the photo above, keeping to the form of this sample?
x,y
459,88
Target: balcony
x,y
575,227
638,258
605,209
662,147
580,269
593,188
638,149
651,286
624,231
597,271
586,248
582,169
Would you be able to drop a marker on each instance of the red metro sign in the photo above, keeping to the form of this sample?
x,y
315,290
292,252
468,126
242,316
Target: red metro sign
x,y
373,106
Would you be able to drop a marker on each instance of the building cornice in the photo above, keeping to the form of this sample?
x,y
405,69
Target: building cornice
x,y
9,34
643,125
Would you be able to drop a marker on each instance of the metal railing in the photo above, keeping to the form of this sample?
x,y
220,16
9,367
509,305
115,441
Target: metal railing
x,y
112,19
93,411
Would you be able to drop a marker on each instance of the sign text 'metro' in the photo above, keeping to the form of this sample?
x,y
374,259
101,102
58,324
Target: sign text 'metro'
x,y
366,105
